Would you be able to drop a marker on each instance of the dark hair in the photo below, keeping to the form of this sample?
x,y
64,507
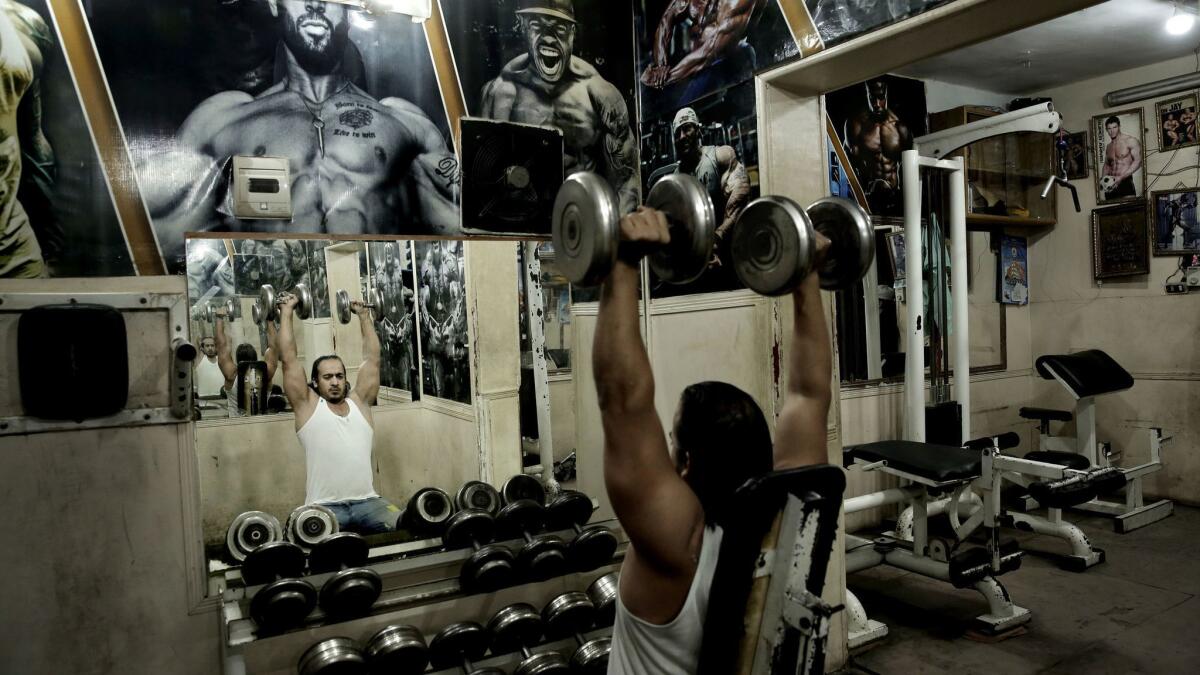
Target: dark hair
x,y
1112,120
246,352
316,364
724,436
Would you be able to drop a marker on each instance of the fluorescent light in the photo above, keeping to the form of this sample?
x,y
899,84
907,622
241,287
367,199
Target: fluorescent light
x,y
1180,22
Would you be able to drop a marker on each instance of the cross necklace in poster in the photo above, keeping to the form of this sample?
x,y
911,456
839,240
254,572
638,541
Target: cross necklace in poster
x,y
318,120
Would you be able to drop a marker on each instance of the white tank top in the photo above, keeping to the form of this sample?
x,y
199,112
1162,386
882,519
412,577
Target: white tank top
x,y
639,647
338,455
209,378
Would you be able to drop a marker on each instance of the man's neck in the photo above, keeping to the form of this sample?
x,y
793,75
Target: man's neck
x,y
315,88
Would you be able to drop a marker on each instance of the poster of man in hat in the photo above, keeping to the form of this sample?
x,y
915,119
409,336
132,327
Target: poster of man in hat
x,y
560,63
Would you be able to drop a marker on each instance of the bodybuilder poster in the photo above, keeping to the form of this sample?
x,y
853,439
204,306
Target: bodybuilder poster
x,y
349,98
56,214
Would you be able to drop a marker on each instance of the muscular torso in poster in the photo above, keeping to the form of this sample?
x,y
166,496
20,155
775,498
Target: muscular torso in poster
x,y
875,141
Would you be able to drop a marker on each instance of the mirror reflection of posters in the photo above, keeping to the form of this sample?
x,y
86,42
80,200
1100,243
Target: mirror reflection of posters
x,y
1177,123
841,20
442,296
1014,271
876,121
1176,225
396,321
317,278
1120,153
196,82
690,48
562,63
210,273
282,263
715,139
56,214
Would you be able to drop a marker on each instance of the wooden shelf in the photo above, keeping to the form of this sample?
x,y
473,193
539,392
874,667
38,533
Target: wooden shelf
x,y
990,221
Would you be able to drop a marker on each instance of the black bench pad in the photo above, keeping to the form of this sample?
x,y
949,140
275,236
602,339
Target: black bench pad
x,y
1071,460
1045,414
934,462
1087,373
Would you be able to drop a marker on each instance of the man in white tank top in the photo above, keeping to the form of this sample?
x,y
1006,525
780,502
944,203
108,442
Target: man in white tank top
x,y
336,427
209,377
671,500
228,360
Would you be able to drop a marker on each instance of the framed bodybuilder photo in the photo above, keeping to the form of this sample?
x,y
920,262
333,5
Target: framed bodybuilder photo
x,y
1120,145
1175,225
1176,120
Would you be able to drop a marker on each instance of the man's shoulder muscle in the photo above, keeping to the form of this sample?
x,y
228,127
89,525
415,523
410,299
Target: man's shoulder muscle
x,y
607,99
212,115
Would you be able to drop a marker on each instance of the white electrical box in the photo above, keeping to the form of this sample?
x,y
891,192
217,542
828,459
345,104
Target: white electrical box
x,y
262,187
1193,277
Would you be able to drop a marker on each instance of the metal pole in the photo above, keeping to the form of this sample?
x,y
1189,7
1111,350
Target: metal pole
x,y
541,374
914,362
958,282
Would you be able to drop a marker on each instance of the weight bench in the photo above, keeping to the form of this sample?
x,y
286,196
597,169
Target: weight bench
x,y
1086,375
977,473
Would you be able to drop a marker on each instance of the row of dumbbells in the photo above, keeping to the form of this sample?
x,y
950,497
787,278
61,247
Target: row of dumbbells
x,y
518,511
517,628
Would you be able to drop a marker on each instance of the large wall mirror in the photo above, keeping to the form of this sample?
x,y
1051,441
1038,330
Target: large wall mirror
x,y
455,400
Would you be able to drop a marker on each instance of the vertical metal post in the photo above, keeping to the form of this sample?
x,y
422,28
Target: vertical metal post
x,y
958,282
871,314
541,374
914,362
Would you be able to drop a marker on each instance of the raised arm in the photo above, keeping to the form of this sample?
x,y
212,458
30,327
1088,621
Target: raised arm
x,y
225,351
366,386
271,356
800,437
660,513
731,27
295,380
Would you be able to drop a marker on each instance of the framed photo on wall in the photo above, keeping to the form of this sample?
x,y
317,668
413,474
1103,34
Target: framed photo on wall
x,y
1013,271
1074,157
1120,241
895,246
1176,119
1120,149
1174,226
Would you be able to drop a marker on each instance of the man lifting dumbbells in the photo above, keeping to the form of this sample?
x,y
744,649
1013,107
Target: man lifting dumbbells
x,y
671,500
335,425
229,360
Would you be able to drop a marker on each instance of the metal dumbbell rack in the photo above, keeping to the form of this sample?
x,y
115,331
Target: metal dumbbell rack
x,y
420,587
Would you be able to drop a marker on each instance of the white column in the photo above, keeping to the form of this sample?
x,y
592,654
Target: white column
x,y
958,282
914,369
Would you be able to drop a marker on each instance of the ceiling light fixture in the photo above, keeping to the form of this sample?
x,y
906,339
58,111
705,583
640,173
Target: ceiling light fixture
x,y
1180,22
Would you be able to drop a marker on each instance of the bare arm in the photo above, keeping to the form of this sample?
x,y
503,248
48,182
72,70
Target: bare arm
x,y
729,30
736,184
295,382
225,351
656,73
800,438
620,146
272,354
1135,158
435,169
660,513
366,388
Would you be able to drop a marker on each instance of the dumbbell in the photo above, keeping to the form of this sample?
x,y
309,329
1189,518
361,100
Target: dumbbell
x,y
518,627
354,589
587,231
603,594
397,650
427,512
478,495
342,300
490,567
249,531
774,246
335,656
522,486
286,600
309,525
266,308
591,547
458,645
543,556
233,310
569,615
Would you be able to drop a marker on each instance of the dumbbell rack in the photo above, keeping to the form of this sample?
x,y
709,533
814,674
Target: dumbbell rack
x,y
420,588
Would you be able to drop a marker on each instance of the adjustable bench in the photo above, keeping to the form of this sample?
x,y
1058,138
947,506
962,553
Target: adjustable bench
x,y
1086,375
976,474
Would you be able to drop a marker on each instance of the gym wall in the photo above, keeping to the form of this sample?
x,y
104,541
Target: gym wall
x,y
1151,334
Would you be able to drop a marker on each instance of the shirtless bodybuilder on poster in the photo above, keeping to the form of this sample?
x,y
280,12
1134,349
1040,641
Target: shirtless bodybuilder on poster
x,y
1122,159
874,139
359,166
716,27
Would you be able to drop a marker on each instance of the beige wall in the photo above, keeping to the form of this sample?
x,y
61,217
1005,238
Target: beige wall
x,y
1151,334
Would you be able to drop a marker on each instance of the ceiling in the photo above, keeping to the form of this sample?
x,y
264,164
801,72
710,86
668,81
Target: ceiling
x,y
1110,37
